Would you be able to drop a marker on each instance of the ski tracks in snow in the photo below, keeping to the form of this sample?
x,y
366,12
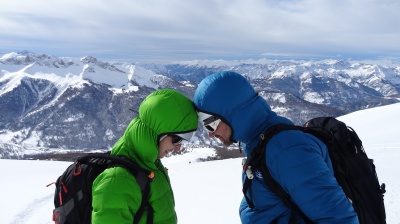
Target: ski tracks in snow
x,y
33,209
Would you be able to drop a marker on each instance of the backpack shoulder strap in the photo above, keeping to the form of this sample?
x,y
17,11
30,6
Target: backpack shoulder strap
x,y
143,178
145,203
128,164
259,150
258,159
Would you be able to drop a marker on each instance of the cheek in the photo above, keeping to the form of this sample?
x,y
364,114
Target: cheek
x,y
225,131
160,151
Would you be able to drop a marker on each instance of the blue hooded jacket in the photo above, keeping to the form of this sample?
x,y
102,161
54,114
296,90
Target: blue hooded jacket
x,y
299,162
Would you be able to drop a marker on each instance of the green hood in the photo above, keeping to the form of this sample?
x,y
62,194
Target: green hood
x,y
163,111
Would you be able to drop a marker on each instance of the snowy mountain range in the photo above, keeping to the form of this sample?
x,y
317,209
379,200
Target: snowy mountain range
x,y
57,103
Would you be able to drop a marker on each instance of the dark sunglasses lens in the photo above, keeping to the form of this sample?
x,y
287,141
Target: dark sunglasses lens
x,y
176,140
209,128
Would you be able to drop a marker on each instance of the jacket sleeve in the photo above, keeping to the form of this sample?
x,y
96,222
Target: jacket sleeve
x,y
115,197
301,164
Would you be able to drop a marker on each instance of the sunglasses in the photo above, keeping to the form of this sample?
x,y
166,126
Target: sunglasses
x,y
211,123
176,140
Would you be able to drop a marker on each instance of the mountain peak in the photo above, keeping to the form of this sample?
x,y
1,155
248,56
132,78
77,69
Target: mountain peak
x,y
89,59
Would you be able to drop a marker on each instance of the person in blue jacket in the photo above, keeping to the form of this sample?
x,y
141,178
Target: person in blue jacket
x,y
232,111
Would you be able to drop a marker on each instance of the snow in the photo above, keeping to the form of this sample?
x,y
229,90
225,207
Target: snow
x,y
280,97
205,192
8,56
142,76
101,75
73,71
314,97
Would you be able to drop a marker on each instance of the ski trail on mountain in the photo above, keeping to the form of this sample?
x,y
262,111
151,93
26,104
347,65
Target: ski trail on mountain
x,y
31,210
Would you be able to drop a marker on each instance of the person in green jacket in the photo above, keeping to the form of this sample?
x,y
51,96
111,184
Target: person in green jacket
x,y
165,118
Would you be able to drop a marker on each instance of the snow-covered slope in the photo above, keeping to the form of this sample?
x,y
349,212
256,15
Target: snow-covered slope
x,y
206,192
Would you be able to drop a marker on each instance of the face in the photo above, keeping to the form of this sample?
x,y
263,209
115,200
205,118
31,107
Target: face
x,y
166,146
223,132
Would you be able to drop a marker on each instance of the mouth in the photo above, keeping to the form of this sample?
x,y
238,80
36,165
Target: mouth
x,y
221,138
225,141
168,151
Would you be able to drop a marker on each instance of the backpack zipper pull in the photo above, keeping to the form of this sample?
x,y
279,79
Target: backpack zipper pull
x,y
48,185
62,188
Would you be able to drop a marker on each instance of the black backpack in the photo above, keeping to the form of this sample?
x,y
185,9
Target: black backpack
x,y
73,194
354,171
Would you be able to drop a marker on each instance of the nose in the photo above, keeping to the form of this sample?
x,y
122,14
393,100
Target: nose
x,y
211,134
177,147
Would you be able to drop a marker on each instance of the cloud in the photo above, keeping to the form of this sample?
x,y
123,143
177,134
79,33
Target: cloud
x,y
195,29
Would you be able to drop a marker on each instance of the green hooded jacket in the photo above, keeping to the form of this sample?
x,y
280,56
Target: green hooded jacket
x,y
116,196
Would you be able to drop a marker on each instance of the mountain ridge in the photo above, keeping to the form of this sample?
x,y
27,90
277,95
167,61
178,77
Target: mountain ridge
x,y
50,102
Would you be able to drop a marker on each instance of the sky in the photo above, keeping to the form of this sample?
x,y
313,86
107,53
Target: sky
x,y
205,192
158,30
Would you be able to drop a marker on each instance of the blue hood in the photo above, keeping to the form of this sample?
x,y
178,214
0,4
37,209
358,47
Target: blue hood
x,y
231,97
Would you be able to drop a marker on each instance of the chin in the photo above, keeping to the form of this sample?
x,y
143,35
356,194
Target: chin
x,y
227,143
160,156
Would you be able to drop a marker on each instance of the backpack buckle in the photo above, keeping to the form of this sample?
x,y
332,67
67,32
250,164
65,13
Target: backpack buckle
x,y
56,217
247,169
